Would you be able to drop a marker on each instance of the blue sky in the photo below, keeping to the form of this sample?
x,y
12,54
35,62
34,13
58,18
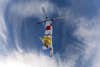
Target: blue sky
x,y
71,35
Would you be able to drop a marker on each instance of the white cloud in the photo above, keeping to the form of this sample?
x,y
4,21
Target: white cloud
x,y
31,8
89,30
33,60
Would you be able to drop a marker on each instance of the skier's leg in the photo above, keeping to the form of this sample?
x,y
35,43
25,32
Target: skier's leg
x,y
51,51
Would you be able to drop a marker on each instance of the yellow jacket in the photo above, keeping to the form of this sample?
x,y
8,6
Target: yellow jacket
x,y
47,41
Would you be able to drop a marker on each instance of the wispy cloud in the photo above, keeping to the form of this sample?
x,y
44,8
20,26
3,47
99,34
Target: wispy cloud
x,y
31,8
3,29
89,30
